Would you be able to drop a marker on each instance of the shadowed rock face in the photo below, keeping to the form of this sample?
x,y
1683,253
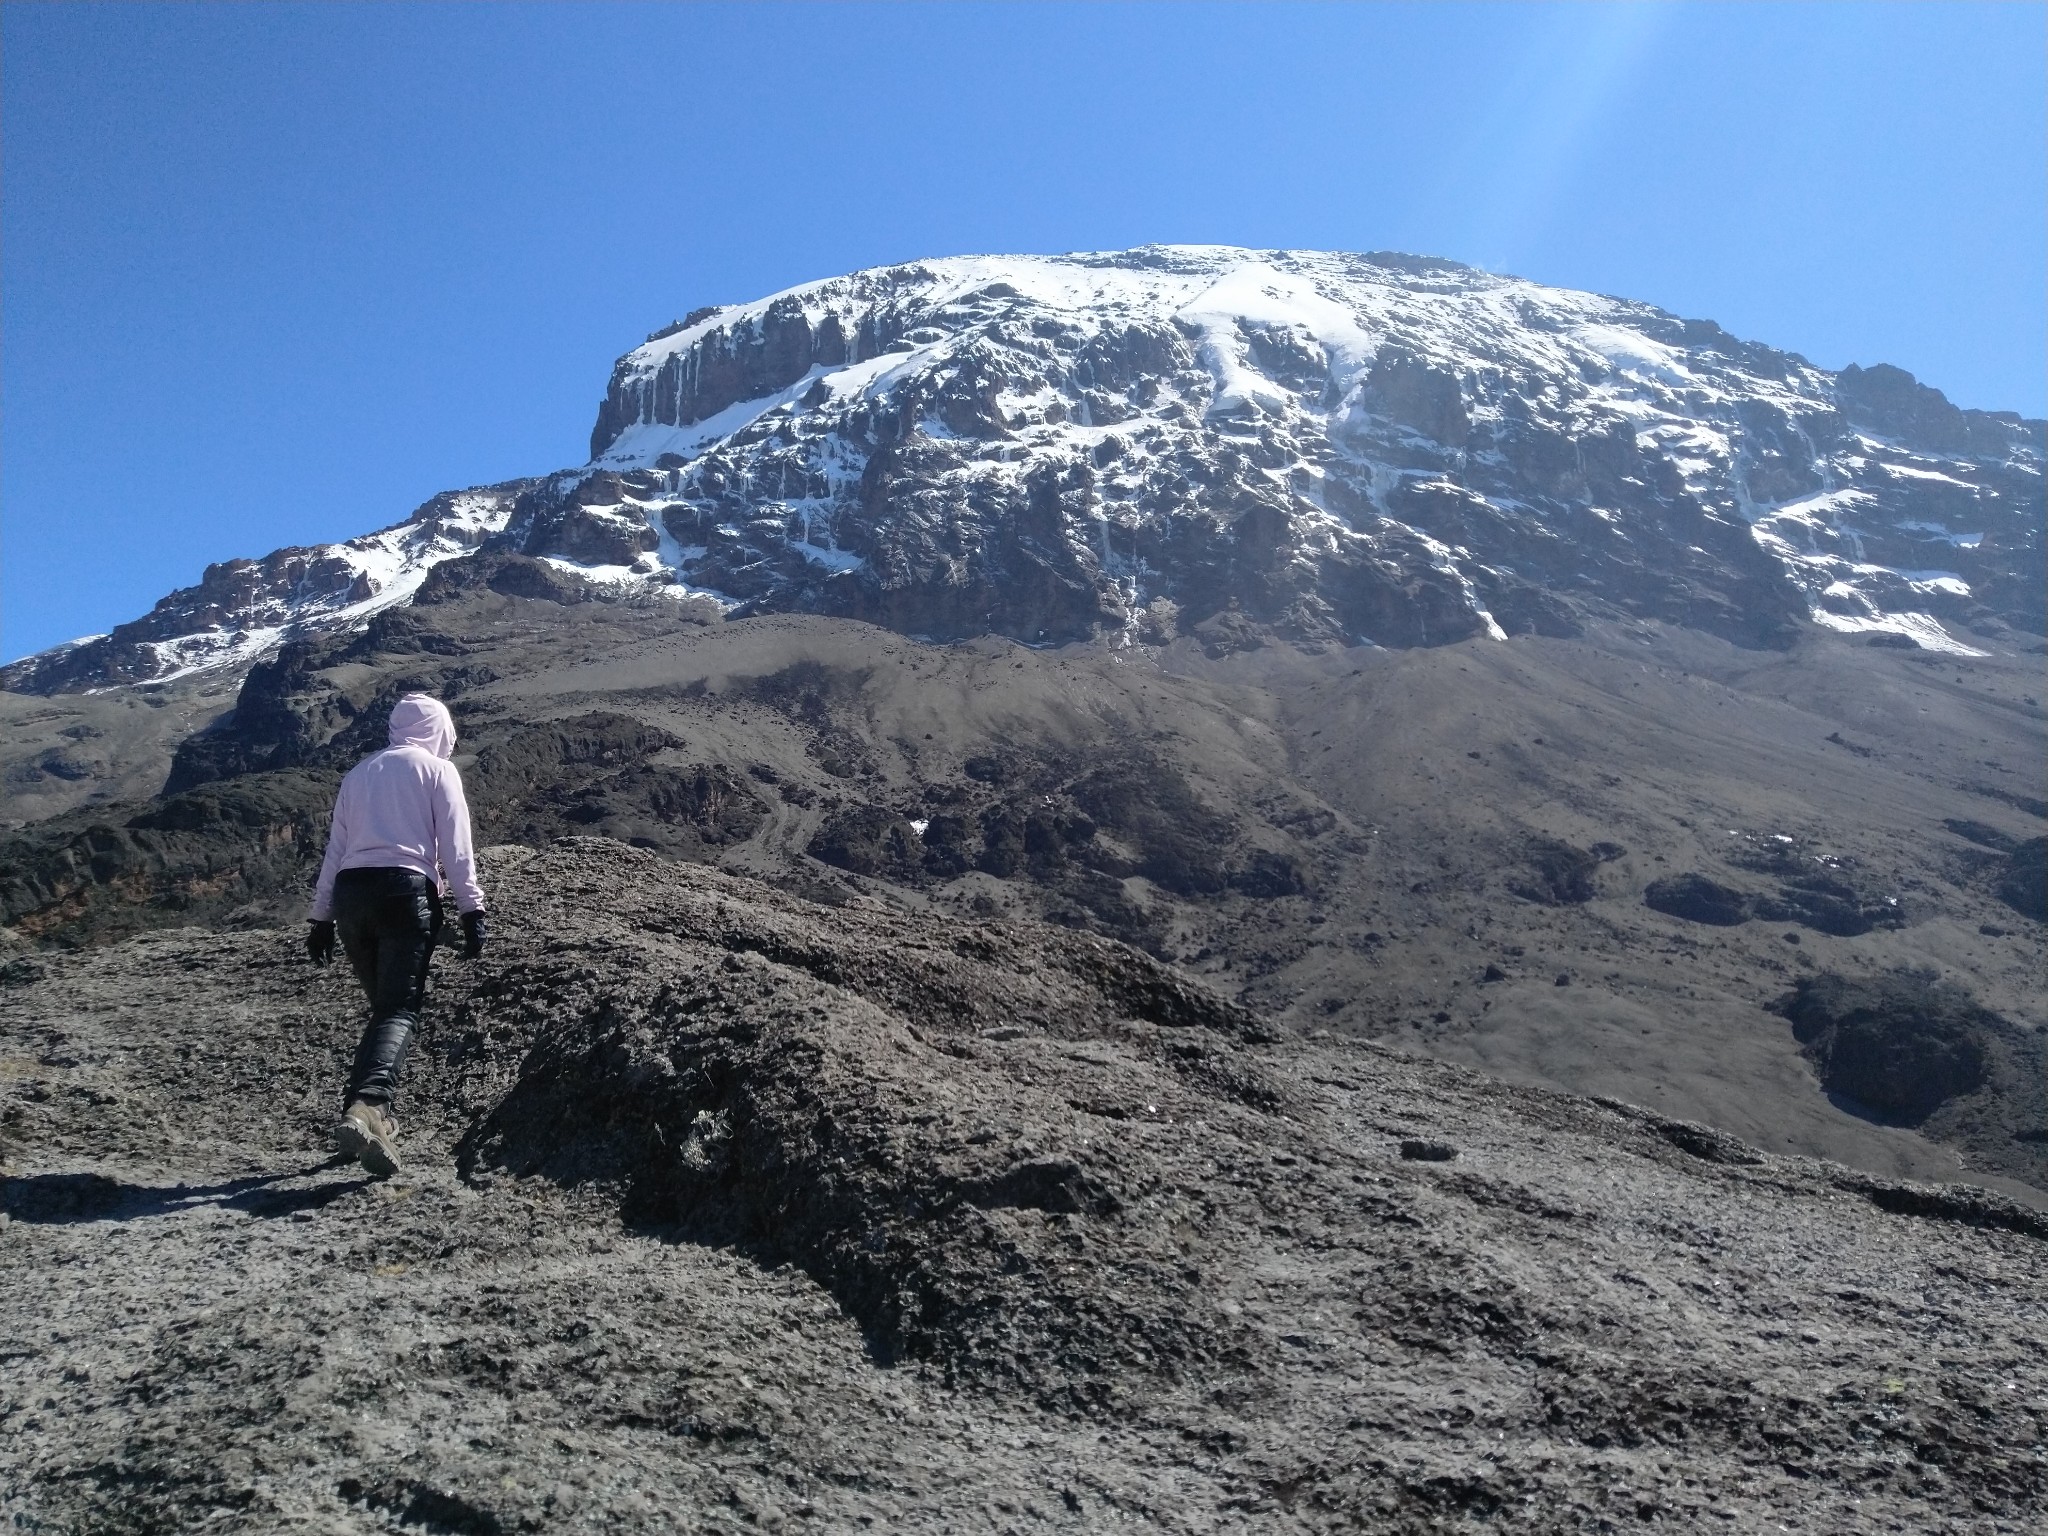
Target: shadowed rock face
x,y
1818,892
193,857
1909,1048
722,1201
1698,900
1902,1045
2023,885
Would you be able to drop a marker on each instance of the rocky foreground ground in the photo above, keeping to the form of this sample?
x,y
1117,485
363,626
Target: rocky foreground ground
x,y
729,1210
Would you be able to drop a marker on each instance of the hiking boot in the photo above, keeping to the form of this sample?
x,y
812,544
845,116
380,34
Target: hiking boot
x,y
370,1136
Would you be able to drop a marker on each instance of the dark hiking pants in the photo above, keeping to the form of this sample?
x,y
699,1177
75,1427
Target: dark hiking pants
x,y
387,921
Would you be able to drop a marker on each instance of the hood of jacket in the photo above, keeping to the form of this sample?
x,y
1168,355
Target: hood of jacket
x,y
420,720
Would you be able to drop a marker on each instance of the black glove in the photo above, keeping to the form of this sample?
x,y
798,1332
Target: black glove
x,y
473,934
320,940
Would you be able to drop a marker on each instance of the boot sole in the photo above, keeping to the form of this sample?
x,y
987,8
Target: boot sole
x,y
353,1139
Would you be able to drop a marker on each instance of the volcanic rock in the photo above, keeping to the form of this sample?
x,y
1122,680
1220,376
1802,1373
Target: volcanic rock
x,y
1312,834
729,1209
1698,900
1903,1045
1907,1047
1055,730
2024,884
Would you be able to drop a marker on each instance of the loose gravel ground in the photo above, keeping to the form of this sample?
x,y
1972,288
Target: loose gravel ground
x,y
730,1211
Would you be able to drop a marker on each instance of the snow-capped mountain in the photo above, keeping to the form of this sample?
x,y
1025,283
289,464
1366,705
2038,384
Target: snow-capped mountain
x,y
1343,449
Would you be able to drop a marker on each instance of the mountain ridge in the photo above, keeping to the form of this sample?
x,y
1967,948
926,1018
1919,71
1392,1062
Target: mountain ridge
x,y
1342,448
728,1209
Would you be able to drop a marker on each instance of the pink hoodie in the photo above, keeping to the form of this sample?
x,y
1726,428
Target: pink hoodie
x,y
403,808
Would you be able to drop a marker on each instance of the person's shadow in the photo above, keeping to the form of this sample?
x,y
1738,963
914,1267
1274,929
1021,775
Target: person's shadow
x,y
63,1198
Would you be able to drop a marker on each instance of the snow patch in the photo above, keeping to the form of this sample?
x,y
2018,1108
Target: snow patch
x,y
390,564
1632,352
1940,531
1921,627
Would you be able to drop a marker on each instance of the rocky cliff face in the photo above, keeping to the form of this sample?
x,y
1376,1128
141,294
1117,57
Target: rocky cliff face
x,y
1343,448
1338,449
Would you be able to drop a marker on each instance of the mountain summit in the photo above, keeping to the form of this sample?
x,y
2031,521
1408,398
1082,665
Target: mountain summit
x,y
1336,449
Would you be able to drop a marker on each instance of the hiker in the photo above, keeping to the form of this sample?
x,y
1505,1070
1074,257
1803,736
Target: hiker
x,y
400,820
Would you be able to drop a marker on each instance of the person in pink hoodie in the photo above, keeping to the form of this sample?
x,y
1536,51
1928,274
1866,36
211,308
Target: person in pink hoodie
x,y
401,823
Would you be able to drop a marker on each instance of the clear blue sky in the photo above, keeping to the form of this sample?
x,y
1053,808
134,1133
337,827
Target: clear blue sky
x,y
275,274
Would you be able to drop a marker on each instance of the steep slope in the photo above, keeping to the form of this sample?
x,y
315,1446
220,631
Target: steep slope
x,y
1344,449
733,1211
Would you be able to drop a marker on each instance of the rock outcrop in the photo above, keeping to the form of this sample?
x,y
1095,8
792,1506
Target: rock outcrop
x,y
1907,1047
